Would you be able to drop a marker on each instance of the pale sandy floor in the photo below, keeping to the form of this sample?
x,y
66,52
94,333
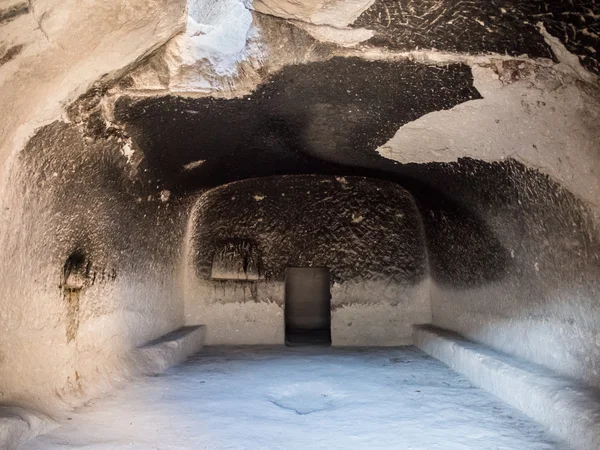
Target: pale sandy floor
x,y
302,398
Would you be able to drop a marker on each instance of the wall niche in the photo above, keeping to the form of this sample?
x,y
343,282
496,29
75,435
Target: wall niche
x,y
236,259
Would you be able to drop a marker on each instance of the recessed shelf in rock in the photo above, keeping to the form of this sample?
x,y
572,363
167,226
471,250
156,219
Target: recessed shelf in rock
x,y
236,260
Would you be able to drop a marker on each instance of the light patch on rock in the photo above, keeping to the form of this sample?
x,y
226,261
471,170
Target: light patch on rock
x,y
165,195
345,37
337,13
554,127
219,36
259,197
194,164
127,150
217,31
357,218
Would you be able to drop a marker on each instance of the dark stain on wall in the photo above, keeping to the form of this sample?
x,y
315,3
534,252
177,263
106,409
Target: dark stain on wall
x,y
494,26
463,250
361,229
327,118
8,14
10,54
77,271
483,221
308,118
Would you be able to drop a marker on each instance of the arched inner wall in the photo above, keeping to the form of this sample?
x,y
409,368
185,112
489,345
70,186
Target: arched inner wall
x,y
367,232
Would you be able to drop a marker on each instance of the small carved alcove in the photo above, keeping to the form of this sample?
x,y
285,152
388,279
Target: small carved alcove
x,y
237,259
76,276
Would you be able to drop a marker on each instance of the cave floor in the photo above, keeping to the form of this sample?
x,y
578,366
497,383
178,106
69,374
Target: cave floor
x,y
300,398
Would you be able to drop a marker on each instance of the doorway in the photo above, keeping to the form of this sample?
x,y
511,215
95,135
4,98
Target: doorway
x,y
307,306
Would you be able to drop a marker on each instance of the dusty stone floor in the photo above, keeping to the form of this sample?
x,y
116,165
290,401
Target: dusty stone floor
x,y
277,397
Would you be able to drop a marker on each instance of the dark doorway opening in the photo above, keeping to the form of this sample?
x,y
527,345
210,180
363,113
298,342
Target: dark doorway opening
x,y
307,306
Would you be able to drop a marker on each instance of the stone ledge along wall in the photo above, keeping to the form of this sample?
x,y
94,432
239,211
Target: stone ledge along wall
x,y
367,232
523,273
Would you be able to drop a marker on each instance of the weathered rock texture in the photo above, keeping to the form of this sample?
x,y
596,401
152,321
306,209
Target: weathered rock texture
x,y
90,268
80,285
367,232
94,206
52,51
486,27
533,291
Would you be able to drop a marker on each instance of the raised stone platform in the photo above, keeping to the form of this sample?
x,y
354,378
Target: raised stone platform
x,y
569,410
19,425
159,354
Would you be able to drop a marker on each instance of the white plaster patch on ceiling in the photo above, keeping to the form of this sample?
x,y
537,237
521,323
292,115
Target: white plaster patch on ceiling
x,y
337,13
513,121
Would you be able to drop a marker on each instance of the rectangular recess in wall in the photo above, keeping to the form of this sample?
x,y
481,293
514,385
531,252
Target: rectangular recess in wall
x,y
307,306
236,260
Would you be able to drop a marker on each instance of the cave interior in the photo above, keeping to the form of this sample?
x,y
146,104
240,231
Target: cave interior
x,y
291,224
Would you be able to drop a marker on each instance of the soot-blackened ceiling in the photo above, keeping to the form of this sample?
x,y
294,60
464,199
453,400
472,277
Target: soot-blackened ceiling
x,y
329,118
489,26
323,117
320,118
